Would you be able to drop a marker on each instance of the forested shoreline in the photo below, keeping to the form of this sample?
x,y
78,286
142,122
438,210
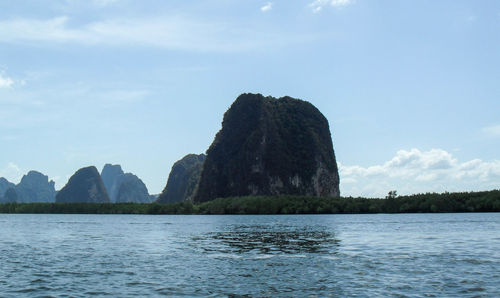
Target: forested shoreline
x,y
484,201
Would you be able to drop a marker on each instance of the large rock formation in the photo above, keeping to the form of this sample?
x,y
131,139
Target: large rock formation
x,y
270,146
110,175
124,187
35,187
85,186
183,179
10,196
131,190
4,185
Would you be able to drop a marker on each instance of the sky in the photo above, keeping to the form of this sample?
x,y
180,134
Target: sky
x,y
411,89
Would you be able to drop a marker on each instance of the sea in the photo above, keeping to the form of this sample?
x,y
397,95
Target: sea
x,y
402,255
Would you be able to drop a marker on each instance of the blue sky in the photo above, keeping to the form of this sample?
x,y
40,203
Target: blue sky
x,y
411,89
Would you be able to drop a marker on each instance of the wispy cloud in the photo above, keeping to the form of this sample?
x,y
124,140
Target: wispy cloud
x,y
120,97
416,171
5,82
171,32
491,131
267,7
318,5
84,3
104,2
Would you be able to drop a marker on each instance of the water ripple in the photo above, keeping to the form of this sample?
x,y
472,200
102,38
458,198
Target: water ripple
x,y
238,256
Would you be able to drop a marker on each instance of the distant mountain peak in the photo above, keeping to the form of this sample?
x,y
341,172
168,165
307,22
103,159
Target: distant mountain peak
x,y
33,187
85,186
123,187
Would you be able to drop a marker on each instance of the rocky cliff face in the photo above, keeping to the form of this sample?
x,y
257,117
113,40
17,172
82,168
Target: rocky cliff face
x,y
85,186
270,146
10,196
183,179
110,175
131,190
123,187
4,185
35,187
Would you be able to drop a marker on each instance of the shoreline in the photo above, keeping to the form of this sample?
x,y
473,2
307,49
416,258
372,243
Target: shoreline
x,y
466,202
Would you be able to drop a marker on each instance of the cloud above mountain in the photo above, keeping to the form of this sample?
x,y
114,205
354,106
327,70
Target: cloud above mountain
x,y
178,32
415,171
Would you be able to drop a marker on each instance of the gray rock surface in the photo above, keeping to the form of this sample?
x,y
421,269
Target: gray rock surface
x,y
35,187
110,176
4,185
10,196
85,186
132,190
124,187
183,179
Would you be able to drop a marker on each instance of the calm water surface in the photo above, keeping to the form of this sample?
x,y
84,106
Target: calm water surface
x,y
298,255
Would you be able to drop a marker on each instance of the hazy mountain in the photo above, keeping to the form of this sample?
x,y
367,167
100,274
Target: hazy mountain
x,y
10,196
131,189
110,175
124,187
4,185
35,187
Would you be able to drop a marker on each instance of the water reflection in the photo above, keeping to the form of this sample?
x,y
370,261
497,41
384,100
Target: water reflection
x,y
270,240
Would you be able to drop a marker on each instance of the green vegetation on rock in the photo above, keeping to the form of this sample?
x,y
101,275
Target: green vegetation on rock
x,y
183,179
85,186
270,146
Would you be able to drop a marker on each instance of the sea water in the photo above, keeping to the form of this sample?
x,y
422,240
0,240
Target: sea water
x,y
232,255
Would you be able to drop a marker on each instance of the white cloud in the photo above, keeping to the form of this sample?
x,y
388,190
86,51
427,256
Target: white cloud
x,y
318,5
5,82
11,172
120,97
267,7
340,3
491,131
85,3
171,32
415,171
